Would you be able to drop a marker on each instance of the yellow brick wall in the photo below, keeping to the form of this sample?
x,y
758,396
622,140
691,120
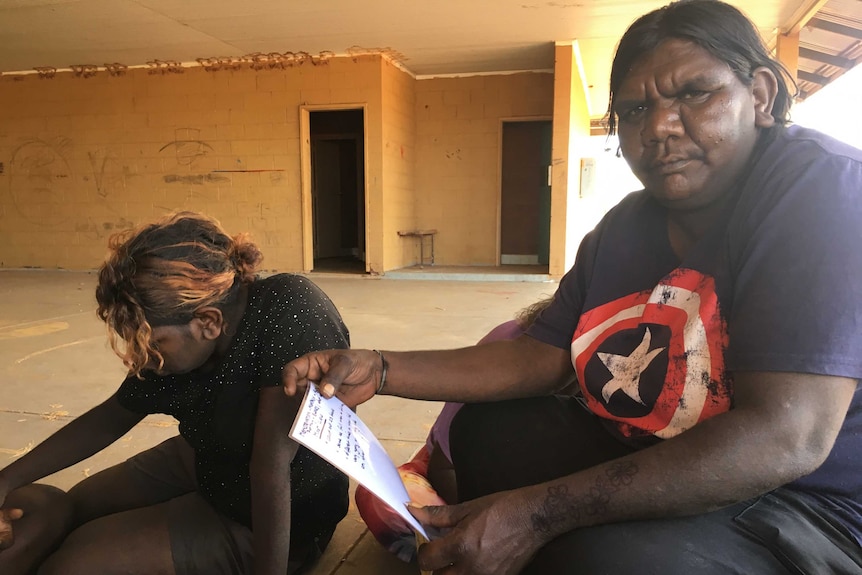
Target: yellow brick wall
x,y
399,136
83,158
458,125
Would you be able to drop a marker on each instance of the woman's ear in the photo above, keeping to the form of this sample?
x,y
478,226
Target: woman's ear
x,y
211,322
764,88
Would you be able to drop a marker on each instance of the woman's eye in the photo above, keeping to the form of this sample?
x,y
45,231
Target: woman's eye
x,y
693,95
633,114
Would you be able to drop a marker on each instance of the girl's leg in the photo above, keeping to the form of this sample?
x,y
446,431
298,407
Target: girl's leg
x,y
150,477
183,536
130,542
47,519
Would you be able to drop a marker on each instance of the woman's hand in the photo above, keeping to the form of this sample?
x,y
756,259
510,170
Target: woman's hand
x,y
352,375
490,535
7,516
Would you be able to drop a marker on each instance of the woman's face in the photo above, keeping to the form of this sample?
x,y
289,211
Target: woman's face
x,y
687,124
184,348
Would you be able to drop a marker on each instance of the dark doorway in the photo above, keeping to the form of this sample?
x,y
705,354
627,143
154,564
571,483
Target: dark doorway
x,y
338,190
525,205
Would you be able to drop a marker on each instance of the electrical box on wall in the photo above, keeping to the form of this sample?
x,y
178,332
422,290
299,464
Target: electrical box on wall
x,y
588,176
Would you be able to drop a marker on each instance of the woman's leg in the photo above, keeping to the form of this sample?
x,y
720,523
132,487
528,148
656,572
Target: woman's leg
x,y
506,445
441,475
46,521
510,444
709,544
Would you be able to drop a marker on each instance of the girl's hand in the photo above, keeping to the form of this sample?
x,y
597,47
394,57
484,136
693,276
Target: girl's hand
x,y
7,516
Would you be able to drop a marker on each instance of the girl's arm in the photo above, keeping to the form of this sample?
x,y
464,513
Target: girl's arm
x,y
271,457
74,442
79,439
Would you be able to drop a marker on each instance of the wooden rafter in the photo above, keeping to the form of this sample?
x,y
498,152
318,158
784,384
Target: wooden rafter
x,y
835,28
825,58
803,15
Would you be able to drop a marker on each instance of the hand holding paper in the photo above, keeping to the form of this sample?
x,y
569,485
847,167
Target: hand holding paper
x,y
330,429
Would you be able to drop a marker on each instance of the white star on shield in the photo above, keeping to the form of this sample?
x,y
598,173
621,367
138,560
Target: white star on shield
x,y
627,369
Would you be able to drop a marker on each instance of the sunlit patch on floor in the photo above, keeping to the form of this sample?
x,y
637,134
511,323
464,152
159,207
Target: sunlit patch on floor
x,y
34,330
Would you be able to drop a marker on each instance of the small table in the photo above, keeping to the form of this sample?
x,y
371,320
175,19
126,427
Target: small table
x,y
421,234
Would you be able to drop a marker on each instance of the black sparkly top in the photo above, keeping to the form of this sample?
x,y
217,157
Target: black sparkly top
x,y
286,317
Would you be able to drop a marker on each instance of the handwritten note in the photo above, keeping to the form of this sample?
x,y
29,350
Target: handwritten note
x,y
330,429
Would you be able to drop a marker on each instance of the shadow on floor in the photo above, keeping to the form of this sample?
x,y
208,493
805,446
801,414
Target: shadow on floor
x,y
339,265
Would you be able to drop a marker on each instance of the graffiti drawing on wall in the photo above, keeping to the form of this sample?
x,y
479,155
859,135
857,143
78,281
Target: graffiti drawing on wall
x,y
103,177
109,179
98,231
40,181
187,146
195,179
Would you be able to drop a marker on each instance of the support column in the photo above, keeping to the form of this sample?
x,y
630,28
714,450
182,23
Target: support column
x,y
787,52
571,122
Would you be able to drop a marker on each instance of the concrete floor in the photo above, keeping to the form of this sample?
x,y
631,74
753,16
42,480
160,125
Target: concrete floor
x,y
55,364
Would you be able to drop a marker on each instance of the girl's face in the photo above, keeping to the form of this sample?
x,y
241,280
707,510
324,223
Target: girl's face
x,y
184,347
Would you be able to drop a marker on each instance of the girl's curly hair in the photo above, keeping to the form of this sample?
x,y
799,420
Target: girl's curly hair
x,y
162,273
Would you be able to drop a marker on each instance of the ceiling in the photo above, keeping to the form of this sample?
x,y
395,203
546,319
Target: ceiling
x,y
830,43
441,37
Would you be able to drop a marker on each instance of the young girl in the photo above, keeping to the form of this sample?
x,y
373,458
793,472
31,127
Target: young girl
x,y
204,340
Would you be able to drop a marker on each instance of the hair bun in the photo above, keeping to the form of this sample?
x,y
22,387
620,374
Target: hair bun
x,y
245,256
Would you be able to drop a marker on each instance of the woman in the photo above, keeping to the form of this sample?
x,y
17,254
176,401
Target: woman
x,y
204,339
714,323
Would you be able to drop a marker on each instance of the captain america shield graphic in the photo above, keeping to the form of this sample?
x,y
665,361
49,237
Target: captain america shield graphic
x,y
653,362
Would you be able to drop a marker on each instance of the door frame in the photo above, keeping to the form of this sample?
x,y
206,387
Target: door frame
x,y
513,119
305,175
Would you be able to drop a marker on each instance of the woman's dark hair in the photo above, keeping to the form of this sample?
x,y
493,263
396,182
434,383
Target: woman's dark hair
x,y
718,28
162,273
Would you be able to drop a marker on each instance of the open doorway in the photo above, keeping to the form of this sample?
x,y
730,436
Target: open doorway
x,y
337,153
525,193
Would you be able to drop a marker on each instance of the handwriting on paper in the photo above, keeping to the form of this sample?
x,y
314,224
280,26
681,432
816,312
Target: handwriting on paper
x,y
333,431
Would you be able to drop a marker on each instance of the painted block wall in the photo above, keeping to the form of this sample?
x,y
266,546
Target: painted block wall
x,y
458,138
85,157
398,209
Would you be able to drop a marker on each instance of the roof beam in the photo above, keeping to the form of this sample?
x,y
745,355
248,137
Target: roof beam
x,y
835,28
803,14
787,52
813,78
825,58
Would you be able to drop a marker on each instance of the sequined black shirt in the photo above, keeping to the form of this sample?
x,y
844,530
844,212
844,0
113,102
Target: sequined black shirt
x,y
286,316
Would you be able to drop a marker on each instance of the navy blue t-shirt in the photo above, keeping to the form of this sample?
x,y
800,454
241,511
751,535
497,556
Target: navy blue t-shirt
x,y
774,285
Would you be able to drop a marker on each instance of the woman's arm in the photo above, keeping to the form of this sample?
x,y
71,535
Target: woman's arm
x,y
79,439
523,367
271,457
782,427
